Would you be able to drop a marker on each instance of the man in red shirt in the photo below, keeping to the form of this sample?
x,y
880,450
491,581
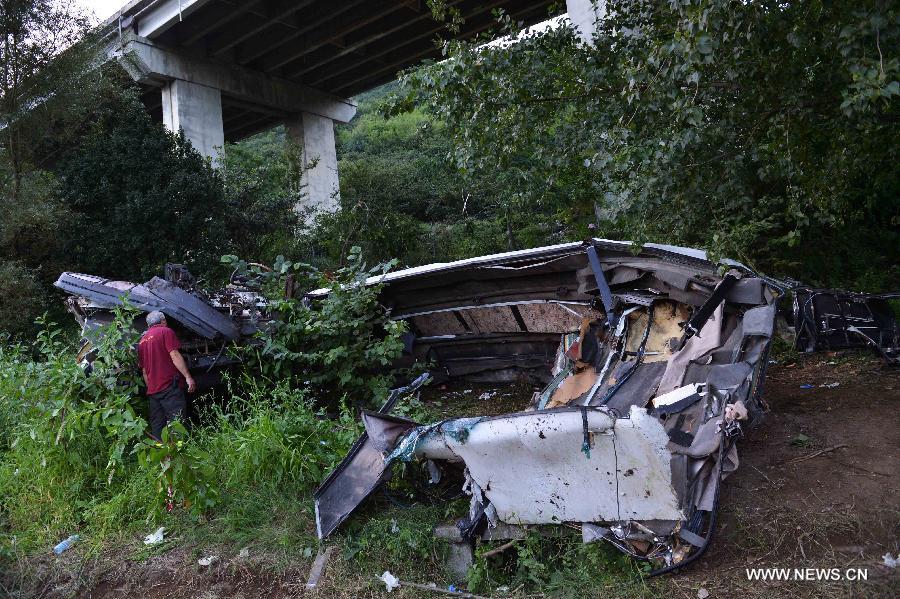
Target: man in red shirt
x,y
165,373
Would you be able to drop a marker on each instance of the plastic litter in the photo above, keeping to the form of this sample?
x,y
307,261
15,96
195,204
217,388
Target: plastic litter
x,y
156,537
890,561
830,385
208,561
66,544
702,593
390,581
807,386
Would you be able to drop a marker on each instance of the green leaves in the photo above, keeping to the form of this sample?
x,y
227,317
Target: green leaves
x,y
755,130
342,346
184,472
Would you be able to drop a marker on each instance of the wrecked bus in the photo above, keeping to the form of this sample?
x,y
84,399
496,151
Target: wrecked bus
x,y
652,361
206,323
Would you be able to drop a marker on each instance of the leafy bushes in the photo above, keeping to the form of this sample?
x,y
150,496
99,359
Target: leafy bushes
x,y
275,435
341,348
74,455
68,438
760,131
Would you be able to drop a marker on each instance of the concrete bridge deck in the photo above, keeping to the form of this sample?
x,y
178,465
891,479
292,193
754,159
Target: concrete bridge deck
x,y
221,70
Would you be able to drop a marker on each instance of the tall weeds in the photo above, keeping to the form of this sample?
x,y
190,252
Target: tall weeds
x,y
75,456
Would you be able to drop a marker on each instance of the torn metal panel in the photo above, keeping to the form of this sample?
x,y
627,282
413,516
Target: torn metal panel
x,y
156,294
539,292
206,324
364,468
547,477
832,319
490,358
356,477
654,358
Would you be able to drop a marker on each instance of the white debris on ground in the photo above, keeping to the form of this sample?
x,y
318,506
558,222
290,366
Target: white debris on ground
x,y
702,594
244,553
890,561
487,395
155,537
390,581
208,561
830,385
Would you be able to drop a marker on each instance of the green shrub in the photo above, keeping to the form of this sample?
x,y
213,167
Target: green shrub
x,y
21,297
340,348
68,436
75,457
273,434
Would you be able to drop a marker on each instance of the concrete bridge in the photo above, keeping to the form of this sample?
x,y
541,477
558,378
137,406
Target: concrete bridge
x,y
221,70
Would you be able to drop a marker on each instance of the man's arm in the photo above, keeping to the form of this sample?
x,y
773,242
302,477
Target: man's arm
x,y
180,364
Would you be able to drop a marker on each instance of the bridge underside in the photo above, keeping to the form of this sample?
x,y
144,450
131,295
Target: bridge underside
x,y
240,119
341,48
222,70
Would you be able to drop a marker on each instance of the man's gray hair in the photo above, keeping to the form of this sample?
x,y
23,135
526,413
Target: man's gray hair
x,y
155,317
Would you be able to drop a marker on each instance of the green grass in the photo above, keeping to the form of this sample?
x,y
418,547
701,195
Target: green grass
x,y
260,461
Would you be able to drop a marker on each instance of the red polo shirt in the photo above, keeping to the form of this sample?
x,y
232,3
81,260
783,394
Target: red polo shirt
x,y
154,358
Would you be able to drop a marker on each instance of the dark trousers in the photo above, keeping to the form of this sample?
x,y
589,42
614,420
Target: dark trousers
x,y
165,407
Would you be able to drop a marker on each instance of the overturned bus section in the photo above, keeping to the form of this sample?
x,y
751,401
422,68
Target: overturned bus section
x,y
650,363
208,323
834,319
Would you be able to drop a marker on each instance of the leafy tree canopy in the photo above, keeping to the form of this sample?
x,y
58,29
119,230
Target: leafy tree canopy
x,y
766,131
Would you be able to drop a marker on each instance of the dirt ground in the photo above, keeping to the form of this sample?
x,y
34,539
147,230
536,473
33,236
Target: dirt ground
x,y
818,487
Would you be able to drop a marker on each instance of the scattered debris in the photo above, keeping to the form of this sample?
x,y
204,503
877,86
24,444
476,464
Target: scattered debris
x,y
390,581
830,385
814,454
800,440
208,561
702,593
318,566
890,561
830,319
66,544
500,549
244,553
652,363
487,395
807,386
155,537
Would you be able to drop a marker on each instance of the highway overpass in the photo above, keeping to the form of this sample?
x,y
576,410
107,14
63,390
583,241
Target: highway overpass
x,y
221,70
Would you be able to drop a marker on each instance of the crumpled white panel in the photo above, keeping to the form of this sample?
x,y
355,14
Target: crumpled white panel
x,y
532,468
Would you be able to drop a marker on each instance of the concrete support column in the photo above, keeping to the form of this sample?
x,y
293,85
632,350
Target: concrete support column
x,y
584,15
196,110
315,135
